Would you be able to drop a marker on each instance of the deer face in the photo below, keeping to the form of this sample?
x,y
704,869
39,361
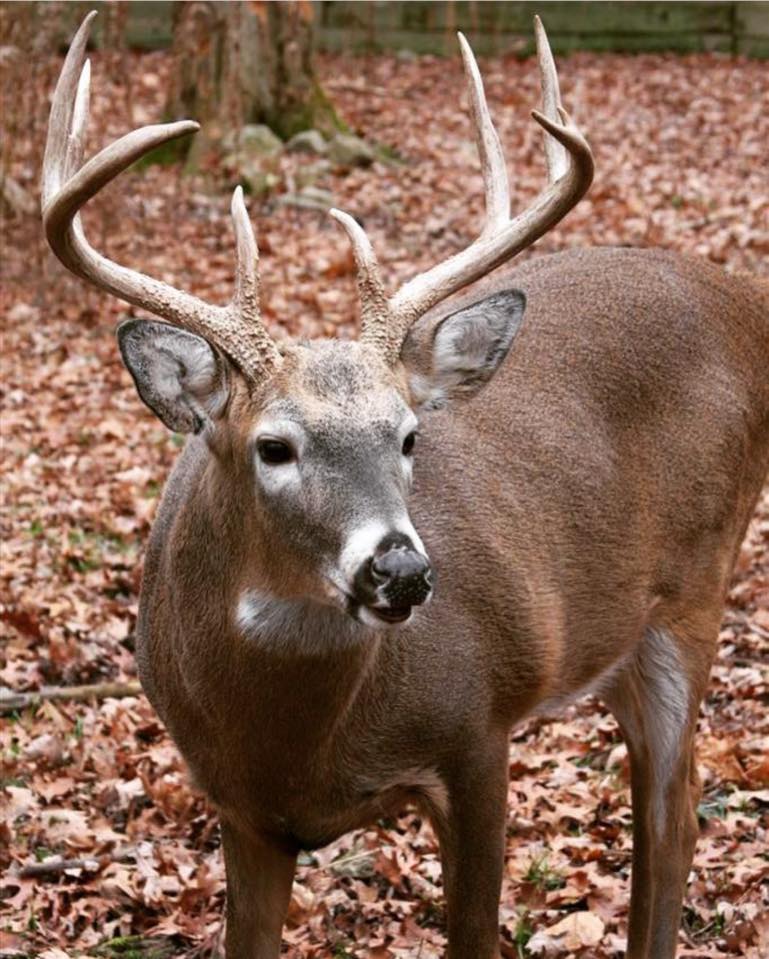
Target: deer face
x,y
332,452
327,445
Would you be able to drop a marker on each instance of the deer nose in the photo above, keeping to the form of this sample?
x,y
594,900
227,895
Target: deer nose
x,y
403,576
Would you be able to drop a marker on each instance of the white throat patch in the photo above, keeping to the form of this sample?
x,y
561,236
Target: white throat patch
x,y
295,627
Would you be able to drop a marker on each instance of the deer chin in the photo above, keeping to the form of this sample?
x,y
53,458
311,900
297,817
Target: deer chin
x,y
387,616
377,616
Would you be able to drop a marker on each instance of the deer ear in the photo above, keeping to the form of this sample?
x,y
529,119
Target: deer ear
x,y
178,375
458,355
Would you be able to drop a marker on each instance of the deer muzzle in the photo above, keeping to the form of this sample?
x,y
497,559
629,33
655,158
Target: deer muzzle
x,y
391,582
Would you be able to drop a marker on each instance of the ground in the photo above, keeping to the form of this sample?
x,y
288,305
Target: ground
x,y
679,146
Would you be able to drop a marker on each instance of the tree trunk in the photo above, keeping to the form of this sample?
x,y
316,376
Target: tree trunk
x,y
247,63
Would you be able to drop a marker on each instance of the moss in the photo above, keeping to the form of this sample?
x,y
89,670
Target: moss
x,y
167,154
315,112
136,947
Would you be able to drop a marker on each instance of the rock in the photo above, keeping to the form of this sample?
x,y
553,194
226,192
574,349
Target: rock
x,y
308,176
252,154
348,150
308,141
318,195
310,198
255,178
254,139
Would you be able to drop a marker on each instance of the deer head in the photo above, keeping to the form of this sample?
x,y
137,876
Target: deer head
x,y
319,437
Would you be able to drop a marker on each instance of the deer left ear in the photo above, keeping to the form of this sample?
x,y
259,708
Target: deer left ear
x,y
458,355
179,375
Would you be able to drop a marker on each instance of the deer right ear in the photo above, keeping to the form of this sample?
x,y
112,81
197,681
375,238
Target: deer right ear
x,y
177,374
456,356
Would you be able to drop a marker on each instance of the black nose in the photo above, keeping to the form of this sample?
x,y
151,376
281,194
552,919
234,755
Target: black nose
x,y
402,575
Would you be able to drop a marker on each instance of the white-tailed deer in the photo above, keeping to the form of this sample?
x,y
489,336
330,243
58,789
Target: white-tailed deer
x,y
577,518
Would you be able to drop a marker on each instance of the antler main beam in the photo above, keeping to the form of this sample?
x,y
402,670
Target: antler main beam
x,y
237,328
384,320
68,184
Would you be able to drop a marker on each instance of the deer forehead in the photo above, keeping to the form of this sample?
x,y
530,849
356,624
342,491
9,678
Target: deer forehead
x,y
329,387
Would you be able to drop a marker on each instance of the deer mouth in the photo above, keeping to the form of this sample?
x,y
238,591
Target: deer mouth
x,y
398,614
371,615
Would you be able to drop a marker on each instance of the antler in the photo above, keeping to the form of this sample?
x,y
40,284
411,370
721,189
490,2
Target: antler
x,y
385,321
68,183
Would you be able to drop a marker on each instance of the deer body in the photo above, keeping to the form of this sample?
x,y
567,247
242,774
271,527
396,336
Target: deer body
x,y
593,495
594,436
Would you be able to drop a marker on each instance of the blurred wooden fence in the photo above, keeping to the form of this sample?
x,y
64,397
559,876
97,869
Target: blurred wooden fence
x,y
496,27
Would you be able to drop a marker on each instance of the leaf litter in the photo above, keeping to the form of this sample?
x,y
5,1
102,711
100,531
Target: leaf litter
x,y
105,847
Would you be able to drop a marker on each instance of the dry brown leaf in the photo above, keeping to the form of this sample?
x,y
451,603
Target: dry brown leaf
x,y
576,931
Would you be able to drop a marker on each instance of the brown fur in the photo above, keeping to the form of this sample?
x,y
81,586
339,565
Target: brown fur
x,y
597,489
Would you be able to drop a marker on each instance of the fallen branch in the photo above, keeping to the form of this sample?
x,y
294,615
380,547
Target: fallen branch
x,y
10,701
57,864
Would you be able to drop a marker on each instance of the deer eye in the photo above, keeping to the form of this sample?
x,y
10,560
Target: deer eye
x,y
274,452
408,443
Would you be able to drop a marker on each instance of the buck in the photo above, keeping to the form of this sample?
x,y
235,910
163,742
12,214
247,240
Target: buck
x,y
337,620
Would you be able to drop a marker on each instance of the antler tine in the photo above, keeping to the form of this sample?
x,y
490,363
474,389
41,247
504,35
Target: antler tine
x,y
246,295
262,351
375,309
555,155
570,173
489,148
76,140
67,186
62,106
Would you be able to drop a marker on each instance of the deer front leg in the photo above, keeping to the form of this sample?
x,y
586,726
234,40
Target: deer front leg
x,y
259,879
471,831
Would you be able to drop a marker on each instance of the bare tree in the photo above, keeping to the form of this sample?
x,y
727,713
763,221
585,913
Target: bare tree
x,y
241,63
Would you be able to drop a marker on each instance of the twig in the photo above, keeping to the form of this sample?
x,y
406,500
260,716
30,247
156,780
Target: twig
x,y
57,864
358,88
353,856
9,701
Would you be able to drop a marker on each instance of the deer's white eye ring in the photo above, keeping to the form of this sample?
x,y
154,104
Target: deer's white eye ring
x,y
274,452
408,443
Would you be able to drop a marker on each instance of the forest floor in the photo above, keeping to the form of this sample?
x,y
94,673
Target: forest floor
x,y
680,150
